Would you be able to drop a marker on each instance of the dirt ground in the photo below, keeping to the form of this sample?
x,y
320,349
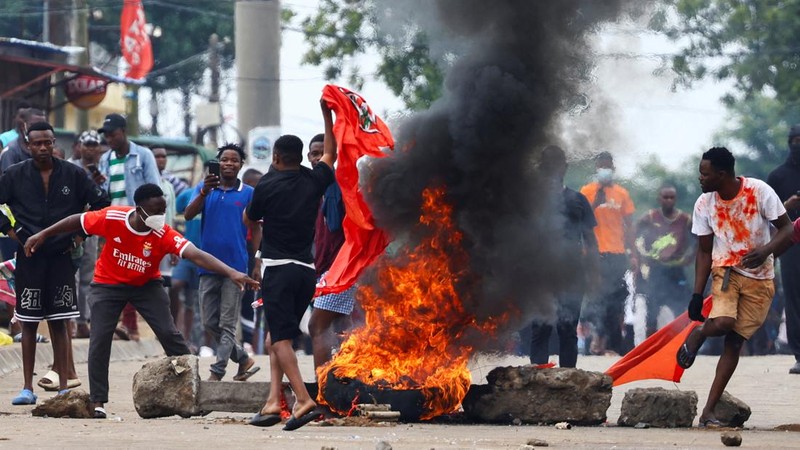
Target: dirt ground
x,y
762,382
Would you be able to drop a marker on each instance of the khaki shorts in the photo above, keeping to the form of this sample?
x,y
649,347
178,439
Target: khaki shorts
x,y
747,300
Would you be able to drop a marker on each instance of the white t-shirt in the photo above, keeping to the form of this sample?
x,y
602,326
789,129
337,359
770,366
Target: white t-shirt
x,y
739,225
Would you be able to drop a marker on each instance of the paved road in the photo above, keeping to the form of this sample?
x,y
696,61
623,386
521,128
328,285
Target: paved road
x,y
762,382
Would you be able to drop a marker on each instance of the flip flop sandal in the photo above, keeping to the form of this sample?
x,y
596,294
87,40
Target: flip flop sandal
x,y
685,358
49,382
265,420
121,334
247,373
709,423
39,338
25,397
100,412
295,423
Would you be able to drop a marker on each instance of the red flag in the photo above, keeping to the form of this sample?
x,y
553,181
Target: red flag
x,y
655,357
135,42
358,132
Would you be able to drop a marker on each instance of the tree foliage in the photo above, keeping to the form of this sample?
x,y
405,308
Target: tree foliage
x,y
179,53
21,19
755,44
341,30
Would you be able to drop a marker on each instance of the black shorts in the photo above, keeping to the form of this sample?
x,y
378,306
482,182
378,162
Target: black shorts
x,y
45,286
287,291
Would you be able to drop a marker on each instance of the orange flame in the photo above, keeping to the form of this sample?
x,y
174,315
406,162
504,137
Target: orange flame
x,y
415,320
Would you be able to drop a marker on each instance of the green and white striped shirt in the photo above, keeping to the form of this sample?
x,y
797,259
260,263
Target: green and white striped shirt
x,y
116,185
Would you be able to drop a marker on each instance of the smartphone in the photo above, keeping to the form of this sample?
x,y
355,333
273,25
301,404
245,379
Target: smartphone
x,y
92,169
213,167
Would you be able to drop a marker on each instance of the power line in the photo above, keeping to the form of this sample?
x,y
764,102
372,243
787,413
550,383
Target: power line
x,y
181,63
192,9
117,5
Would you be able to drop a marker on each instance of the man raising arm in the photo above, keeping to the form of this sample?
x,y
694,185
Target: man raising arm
x,y
127,271
287,199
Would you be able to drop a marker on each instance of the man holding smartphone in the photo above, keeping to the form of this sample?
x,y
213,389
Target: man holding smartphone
x,y
222,199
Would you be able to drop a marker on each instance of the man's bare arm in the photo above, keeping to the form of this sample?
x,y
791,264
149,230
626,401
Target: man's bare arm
x,y
70,224
329,144
779,243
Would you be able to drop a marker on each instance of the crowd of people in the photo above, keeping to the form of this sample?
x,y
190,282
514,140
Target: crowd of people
x,y
94,243
653,258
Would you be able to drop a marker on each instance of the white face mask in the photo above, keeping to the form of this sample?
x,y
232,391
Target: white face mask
x,y
156,221
605,175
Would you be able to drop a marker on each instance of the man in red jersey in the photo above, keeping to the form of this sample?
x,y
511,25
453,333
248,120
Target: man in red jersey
x,y
137,238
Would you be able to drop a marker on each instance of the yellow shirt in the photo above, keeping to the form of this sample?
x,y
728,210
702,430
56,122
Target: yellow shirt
x,y
4,209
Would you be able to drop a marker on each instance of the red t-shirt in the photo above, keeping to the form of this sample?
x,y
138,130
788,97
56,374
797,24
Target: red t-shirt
x,y
129,256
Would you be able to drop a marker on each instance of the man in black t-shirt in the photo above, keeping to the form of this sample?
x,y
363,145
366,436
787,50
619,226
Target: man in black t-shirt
x,y
579,239
287,199
785,180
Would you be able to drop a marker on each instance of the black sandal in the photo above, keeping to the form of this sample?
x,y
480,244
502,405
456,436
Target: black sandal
x,y
100,412
684,357
294,423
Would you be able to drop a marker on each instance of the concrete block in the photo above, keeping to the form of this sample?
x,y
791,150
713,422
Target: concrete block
x,y
658,407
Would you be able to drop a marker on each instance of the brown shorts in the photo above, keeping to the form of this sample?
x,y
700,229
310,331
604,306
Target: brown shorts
x,y
747,300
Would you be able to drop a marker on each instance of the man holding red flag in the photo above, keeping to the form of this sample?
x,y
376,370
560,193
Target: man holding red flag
x,y
732,221
358,132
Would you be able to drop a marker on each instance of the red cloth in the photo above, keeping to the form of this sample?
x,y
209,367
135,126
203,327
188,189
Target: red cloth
x,y
7,293
358,132
655,357
129,319
135,42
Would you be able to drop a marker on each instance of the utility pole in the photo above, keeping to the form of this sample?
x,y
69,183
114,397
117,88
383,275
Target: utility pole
x,y
80,38
132,110
258,45
154,97
213,62
57,30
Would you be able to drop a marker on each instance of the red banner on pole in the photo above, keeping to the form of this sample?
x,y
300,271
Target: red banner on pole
x,y
135,42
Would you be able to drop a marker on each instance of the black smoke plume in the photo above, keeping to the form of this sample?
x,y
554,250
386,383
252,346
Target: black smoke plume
x,y
517,67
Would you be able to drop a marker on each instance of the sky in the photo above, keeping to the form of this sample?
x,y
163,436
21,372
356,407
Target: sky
x,y
642,111
648,115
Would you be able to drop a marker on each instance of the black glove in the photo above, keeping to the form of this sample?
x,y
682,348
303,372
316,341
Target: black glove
x,y
696,308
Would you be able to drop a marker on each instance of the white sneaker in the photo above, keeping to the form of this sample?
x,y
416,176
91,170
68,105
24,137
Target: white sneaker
x,y
205,352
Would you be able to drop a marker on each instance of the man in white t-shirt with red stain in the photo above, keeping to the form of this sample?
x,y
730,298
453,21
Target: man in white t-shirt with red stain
x,y
735,247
